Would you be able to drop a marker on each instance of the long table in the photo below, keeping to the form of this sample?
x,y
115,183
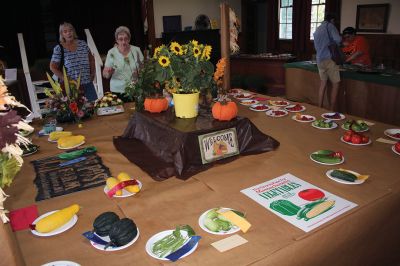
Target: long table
x,y
372,96
366,235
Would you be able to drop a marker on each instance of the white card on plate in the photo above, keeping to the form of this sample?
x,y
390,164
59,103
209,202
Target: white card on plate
x,y
229,243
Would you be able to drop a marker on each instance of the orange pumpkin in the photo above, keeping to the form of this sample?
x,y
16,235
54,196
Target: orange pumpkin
x,y
155,105
224,111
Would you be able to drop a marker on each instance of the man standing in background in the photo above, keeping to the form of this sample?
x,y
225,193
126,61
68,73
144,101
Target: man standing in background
x,y
324,35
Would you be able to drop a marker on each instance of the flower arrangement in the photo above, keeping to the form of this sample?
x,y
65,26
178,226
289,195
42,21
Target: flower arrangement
x,y
179,69
67,103
11,125
109,104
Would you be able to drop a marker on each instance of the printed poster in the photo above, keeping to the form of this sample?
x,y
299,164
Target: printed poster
x,y
298,202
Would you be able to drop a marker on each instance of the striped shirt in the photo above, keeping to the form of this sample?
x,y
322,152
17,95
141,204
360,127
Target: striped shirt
x,y
75,62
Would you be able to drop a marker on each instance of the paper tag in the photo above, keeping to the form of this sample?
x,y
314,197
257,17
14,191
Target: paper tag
x,y
229,243
386,141
369,123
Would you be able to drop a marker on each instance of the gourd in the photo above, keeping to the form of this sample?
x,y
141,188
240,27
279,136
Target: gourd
x,y
70,141
56,219
112,182
122,232
55,135
224,111
155,105
103,223
125,177
284,207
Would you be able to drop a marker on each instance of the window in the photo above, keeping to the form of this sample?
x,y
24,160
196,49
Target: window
x,y
317,15
285,19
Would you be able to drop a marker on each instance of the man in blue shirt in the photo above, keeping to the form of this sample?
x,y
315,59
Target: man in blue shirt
x,y
328,70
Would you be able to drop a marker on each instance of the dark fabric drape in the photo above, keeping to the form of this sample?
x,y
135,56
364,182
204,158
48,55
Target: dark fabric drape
x,y
334,6
301,27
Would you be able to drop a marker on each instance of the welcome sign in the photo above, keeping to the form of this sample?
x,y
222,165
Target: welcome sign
x,y
218,145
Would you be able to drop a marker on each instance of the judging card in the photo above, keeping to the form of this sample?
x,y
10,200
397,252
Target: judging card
x,y
229,243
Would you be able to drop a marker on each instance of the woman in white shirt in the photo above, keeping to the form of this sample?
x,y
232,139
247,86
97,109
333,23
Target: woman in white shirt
x,y
122,63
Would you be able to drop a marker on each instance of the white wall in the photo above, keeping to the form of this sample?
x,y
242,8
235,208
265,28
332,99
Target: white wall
x,y
189,10
349,13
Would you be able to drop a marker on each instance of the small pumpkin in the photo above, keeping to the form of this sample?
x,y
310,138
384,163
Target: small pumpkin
x,y
224,111
103,223
155,105
122,232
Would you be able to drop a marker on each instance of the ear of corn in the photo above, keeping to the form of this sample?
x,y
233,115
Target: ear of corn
x,y
320,208
112,182
70,141
55,135
125,177
56,219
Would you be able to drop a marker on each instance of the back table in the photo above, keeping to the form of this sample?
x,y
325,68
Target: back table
x,y
367,235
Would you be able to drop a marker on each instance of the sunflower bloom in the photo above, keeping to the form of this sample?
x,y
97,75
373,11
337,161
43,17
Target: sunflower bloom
x,y
164,61
196,52
176,48
157,51
206,52
194,42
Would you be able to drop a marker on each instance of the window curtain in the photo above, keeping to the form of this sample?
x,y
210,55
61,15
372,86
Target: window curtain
x,y
301,28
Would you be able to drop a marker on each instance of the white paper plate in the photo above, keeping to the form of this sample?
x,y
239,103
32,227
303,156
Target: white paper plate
x,y
253,107
287,108
30,153
52,141
388,133
312,159
361,144
394,150
248,102
41,132
356,182
279,103
77,145
125,193
234,228
327,117
244,96
57,231
271,113
302,121
334,125
26,133
158,236
61,263
358,131
107,239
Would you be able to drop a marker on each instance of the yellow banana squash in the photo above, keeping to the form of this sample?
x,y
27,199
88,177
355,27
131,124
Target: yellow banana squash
x,y
125,177
55,135
56,219
70,141
112,182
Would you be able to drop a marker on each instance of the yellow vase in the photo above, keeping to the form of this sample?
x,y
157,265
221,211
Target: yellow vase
x,y
186,105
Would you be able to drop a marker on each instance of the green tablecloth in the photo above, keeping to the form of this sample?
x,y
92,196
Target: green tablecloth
x,y
380,78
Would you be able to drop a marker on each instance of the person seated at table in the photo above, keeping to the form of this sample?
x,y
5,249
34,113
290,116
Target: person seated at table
x,y
122,63
355,48
77,59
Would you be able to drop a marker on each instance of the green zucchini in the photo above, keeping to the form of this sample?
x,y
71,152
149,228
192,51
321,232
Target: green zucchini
x,y
325,158
343,175
211,225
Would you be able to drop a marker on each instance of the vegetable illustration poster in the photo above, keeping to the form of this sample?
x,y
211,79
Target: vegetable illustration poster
x,y
298,202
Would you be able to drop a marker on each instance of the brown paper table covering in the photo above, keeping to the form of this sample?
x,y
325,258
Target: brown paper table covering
x,y
166,146
367,235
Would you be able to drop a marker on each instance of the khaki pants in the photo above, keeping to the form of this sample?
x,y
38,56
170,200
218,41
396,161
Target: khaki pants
x,y
329,70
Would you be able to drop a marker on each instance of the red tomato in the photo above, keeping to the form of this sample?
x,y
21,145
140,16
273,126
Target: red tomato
x,y
397,147
311,194
356,139
364,139
347,138
348,132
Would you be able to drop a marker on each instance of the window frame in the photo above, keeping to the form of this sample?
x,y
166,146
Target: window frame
x,y
286,7
316,23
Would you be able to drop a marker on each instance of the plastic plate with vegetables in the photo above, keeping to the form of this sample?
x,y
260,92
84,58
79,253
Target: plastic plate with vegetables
x,y
214,223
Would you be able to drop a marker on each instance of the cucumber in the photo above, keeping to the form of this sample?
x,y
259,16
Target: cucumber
x,y
241,214
324,152
325,158
211,225
343,175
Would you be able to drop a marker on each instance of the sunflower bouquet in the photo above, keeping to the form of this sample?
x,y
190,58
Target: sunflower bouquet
x,y
180,69
67,101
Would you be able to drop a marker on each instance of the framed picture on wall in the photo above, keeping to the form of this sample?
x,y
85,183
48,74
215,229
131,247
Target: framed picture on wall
x,y
372,18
